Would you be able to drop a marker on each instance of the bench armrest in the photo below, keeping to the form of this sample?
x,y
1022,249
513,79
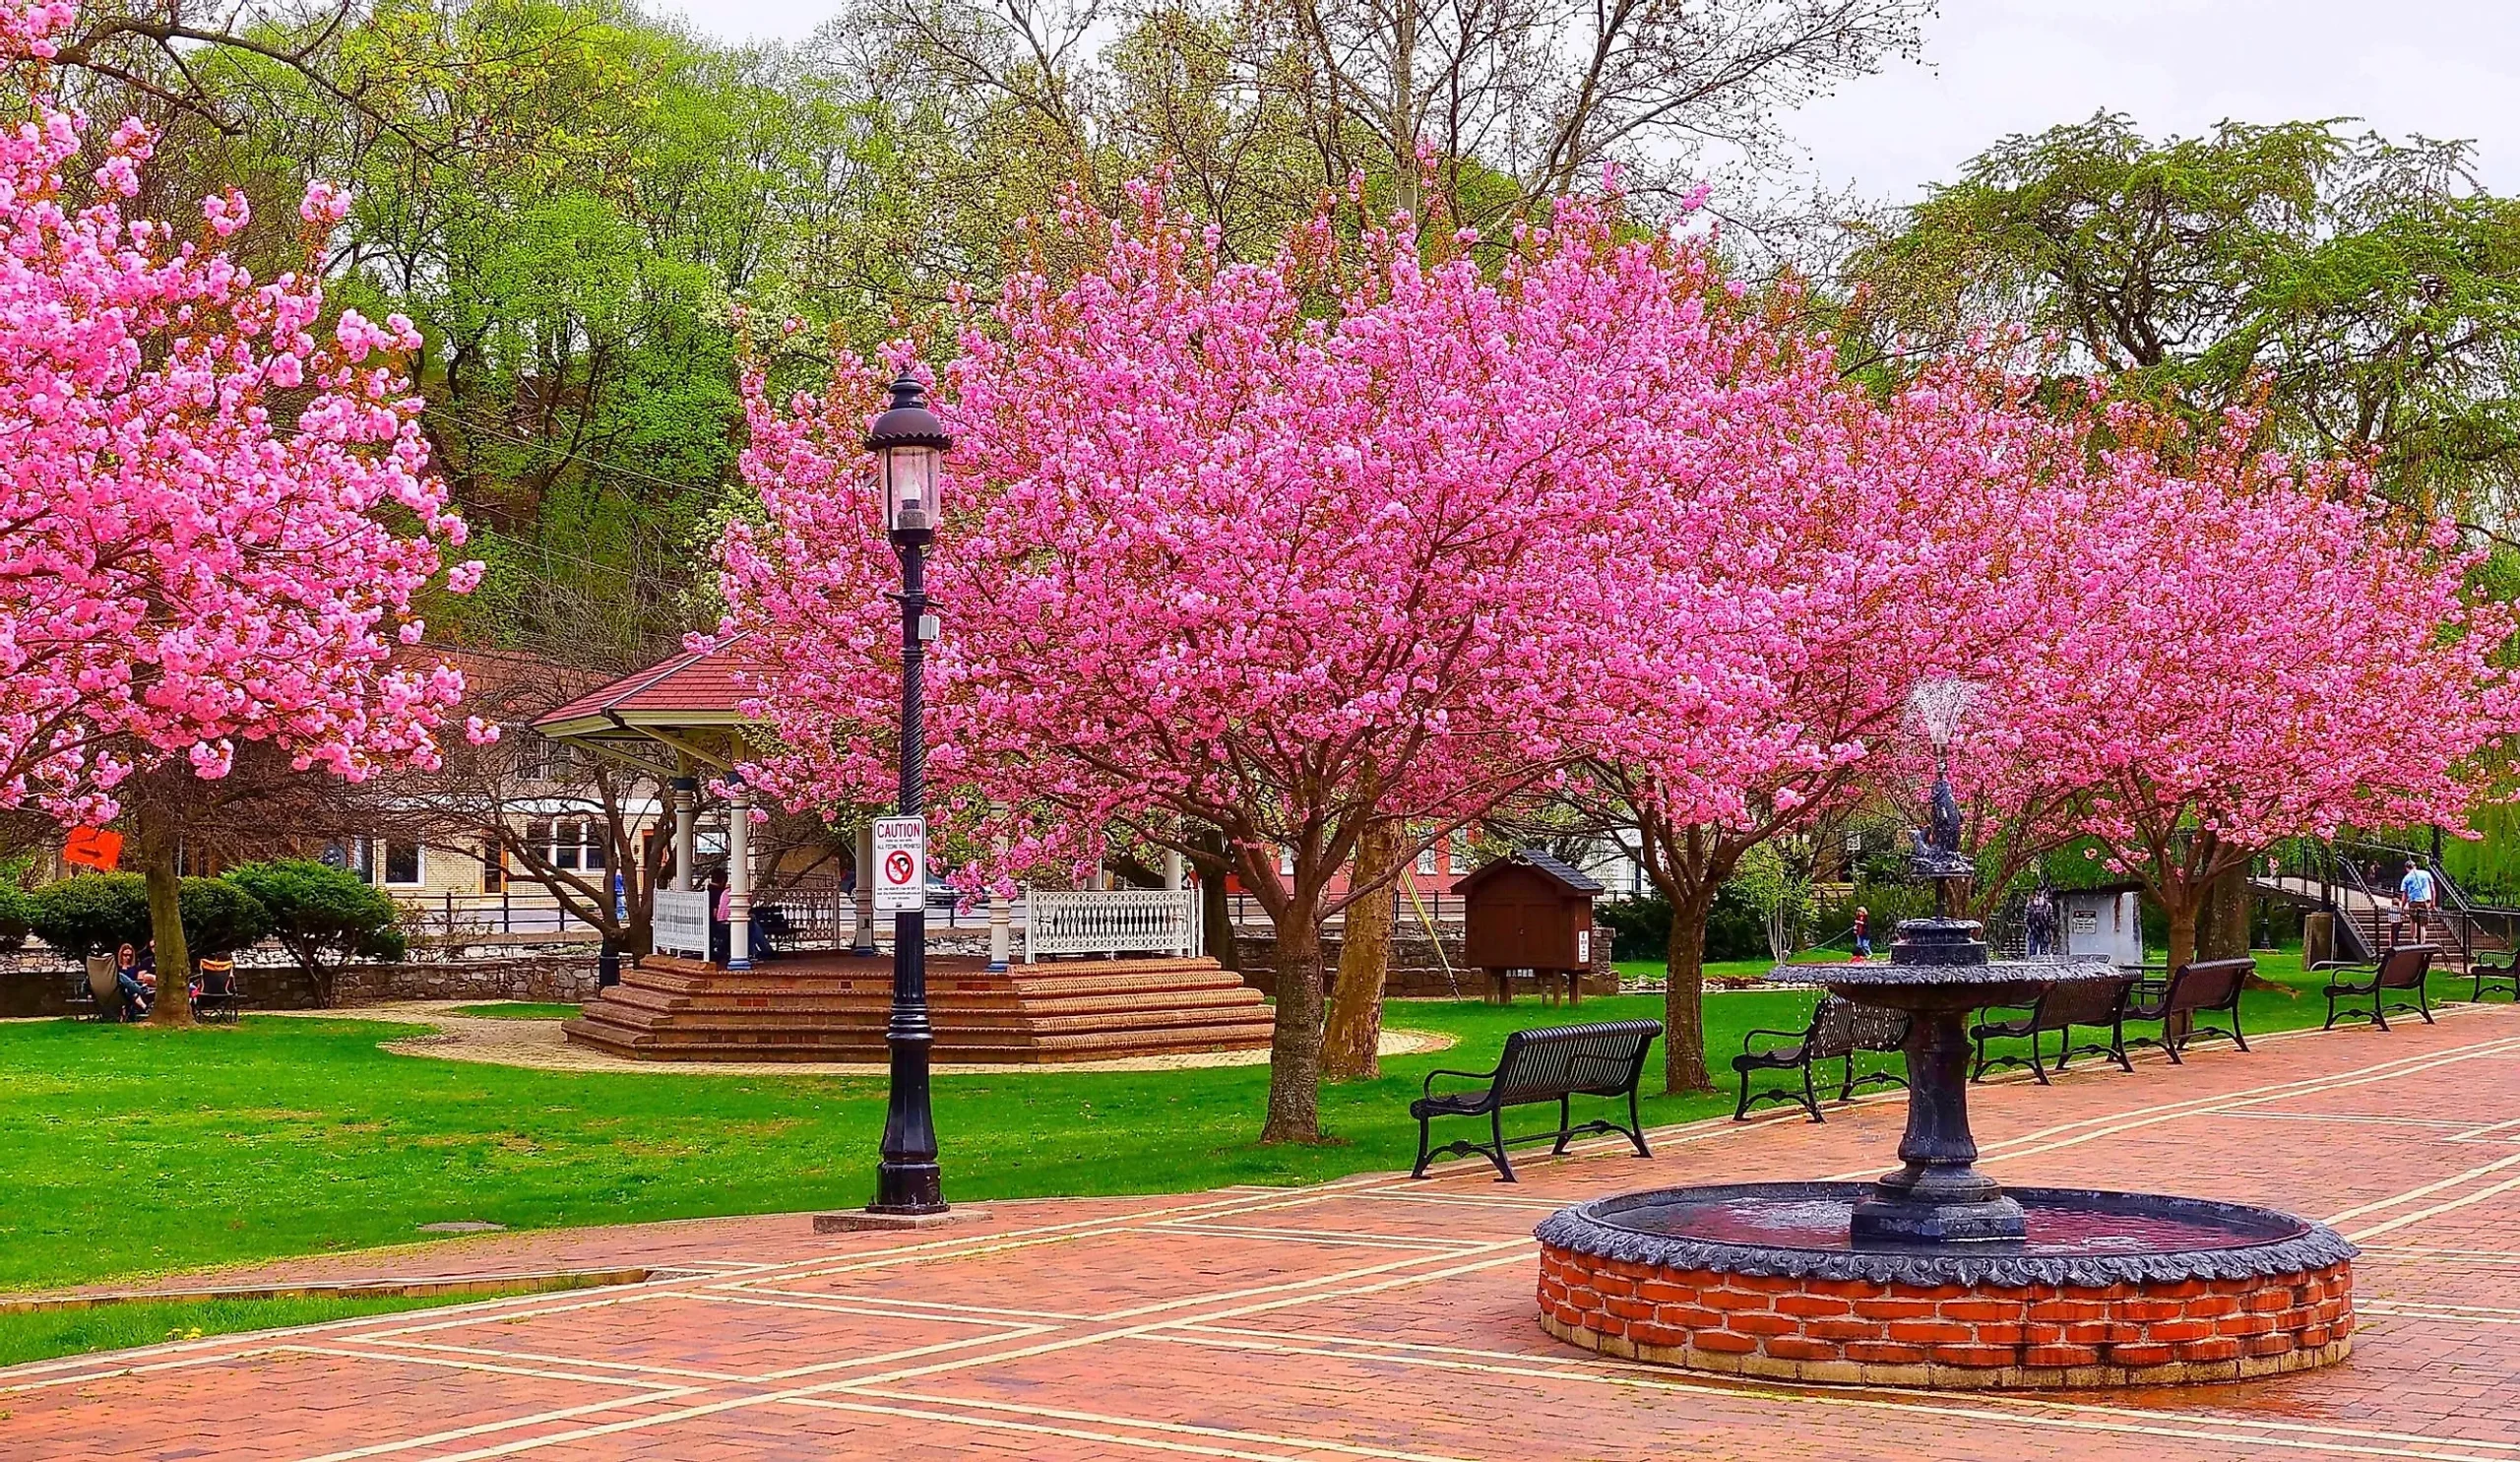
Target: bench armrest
x,y
1791,1036
2344,965
1428,1089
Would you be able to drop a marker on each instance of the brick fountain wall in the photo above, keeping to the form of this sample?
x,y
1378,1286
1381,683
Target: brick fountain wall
x,y
1879,1333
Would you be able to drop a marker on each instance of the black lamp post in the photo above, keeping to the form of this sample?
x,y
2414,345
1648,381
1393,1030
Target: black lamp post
x,y
909,444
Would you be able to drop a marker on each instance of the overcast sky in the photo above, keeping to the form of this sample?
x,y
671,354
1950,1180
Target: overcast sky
x,y
2446,68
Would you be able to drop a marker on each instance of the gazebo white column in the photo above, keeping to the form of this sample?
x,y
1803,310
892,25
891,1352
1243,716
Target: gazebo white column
x,y
862,939
686,807
1001,919
1173,870
740,878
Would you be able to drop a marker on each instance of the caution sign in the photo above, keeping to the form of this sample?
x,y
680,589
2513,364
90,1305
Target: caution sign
x,y
900,864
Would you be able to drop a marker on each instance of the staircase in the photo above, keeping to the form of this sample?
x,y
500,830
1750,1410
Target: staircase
x,y
834,1008
2357,881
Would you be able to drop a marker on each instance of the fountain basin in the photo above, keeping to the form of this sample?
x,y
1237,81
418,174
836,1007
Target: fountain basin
x,y
2104,1289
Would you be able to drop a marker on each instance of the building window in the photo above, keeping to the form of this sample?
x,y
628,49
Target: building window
x,y
398,863
547,761
1427,858
1461,852
494,869
572,843
1285,862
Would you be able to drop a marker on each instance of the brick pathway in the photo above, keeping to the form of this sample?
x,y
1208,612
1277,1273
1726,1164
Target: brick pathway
x,y
1376,1317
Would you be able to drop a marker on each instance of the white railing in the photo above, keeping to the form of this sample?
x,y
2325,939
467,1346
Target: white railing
x,y
1131,921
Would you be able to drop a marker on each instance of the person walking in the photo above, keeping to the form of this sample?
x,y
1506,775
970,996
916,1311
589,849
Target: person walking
x,y
1862,933
2417,891
2039,922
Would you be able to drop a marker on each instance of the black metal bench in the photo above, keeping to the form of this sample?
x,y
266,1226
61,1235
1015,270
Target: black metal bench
x,y
2506,975
1554,1063
2403,970
2098,1004
2197,987
1838,1031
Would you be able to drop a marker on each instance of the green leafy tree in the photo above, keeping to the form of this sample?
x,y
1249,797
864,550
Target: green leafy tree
x,y
2369,290
322,915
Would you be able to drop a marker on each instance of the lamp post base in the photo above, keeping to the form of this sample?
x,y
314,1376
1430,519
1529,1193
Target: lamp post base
x,y
867,1220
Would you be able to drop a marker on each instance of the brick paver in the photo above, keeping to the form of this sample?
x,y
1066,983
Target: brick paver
x,y
1377,1317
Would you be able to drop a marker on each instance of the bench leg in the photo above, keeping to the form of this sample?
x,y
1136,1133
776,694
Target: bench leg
x,y
1496,1134
1565,1118
2237,1039
1810,1097
1742,1108
2037,1068
2379,1006
2118,1046
2422,1000
1419,1170
1636,1126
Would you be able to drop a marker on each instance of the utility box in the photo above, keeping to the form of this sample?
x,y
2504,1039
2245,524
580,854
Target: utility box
x,y
1528,912
2102,924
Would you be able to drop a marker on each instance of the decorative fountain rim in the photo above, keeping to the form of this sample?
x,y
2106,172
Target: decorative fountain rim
x,y
1592,1229
1883,975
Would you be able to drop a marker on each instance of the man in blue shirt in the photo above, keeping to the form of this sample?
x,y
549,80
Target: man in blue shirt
x,y
2416,888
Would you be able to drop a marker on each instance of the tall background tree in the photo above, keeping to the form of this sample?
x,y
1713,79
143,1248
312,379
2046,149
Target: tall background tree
x,y
2367,289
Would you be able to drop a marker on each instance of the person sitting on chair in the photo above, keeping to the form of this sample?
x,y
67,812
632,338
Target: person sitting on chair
x,y
135,994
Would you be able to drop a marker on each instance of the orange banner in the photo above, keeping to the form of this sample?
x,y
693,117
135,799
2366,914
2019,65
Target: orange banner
x,y
92,848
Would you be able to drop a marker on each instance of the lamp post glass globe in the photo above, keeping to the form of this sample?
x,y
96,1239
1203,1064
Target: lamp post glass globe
x,y
909,444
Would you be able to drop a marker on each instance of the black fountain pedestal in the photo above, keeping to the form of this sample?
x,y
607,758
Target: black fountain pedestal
x,y
1939,974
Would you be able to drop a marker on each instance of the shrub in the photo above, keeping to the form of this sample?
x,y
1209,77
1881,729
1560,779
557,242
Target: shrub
x,y
322,915
92,914
220,918
17,916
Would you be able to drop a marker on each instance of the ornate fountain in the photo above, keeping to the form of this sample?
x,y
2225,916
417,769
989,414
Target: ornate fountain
x,y
1934,1274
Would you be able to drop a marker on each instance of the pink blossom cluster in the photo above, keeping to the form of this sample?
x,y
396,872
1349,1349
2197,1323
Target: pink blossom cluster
x,y
214,514
1278,548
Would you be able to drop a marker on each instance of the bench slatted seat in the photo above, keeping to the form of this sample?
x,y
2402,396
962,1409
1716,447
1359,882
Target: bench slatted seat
x,y
2098,1004
1552,1063
2197,987
1838,1031
2404,970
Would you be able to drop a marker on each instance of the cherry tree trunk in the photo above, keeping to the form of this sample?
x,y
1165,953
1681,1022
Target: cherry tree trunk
x,y
2222,931
1294,1045
157,838
1685,994
1351,1048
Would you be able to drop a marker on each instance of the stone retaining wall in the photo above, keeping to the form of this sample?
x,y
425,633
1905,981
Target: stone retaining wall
x,y
554,977
1875,1333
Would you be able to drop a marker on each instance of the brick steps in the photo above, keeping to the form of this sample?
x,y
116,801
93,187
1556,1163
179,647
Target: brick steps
x,y
834,1008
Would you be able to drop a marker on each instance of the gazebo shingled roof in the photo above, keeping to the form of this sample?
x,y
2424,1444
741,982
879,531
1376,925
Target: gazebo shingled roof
x,y
691,704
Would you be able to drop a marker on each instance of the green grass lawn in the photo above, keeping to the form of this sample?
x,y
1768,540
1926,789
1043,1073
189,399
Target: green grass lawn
x,y
515,1011
42,1334
126,1151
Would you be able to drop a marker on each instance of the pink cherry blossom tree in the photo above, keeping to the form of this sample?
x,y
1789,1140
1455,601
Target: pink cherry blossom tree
x,y
212,520
1888,540
2260,648
1287,552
